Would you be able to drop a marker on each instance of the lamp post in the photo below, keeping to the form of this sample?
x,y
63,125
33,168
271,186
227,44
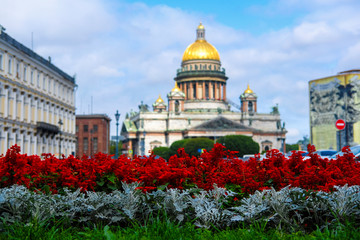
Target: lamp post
x,y
60,123
117,116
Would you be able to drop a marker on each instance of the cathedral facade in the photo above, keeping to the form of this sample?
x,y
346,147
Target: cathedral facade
x,y
197,107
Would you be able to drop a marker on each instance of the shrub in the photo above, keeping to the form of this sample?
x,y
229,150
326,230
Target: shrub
x,y
176,145
240,143
193,145
163,152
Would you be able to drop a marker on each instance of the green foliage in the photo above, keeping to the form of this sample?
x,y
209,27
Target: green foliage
x,y
240,143
176,145
113,147
163,152
292,147
192,145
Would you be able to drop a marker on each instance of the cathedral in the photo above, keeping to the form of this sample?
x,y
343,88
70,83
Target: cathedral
x,y
197,107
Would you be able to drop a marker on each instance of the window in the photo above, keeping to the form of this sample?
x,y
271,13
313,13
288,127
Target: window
x,y
86,128
86,145
250,106
25,73
1,61
49,84
9,66
44,81
213,96
17,70
207,91
95,145
95,128
77,128
38,80
32,76
55,87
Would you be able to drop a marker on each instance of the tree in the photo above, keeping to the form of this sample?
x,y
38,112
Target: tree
x,y
193,146
176,145
292,147
163,152
240,143
113,147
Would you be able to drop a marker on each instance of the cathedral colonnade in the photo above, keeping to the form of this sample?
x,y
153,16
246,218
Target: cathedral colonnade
x,y
204,90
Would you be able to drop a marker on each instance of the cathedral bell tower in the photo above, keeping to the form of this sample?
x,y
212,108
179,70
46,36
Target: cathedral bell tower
x,y
176,100
248,101
159,105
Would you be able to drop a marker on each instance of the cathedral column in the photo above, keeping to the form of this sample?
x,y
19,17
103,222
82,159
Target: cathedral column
x,y
203,90
211,87
224,92
185,90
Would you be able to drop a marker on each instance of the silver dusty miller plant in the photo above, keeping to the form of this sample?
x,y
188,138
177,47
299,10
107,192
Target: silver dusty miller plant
x,y
289,208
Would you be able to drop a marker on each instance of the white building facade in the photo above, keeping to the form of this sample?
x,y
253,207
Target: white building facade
x,y
198,107
37,102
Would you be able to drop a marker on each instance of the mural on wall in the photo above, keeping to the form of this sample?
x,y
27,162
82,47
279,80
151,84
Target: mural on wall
x,y
335,100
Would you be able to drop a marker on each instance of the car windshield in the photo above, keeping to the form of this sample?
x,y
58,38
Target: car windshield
x,y
355,150
326,152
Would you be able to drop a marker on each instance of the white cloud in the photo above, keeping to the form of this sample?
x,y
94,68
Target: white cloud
x,y
106,71
123,53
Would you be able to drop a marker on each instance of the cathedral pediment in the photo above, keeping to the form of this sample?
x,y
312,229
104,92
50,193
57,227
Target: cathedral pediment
x,y
222,124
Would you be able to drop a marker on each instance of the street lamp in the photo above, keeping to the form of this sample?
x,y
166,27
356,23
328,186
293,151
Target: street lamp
x,y
117,116
60,123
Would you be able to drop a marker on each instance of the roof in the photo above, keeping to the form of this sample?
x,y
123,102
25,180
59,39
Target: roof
x,y
221,123
128,126
92,116
5,37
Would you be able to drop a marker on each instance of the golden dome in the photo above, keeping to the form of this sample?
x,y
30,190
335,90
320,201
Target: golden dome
x,y
159,100
248,90
176,88
201,49
200,26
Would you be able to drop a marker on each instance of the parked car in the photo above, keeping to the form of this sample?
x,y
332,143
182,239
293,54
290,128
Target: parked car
x,y
326,152
355,150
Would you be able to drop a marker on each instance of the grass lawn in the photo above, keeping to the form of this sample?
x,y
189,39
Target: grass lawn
x,y
165,230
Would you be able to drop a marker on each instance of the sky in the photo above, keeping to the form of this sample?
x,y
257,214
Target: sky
x,y
125,52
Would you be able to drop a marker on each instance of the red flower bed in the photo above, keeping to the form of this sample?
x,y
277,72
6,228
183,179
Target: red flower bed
x,y
102,173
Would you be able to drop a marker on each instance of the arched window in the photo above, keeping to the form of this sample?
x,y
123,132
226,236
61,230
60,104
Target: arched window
x,y
250,106
177,106
196,67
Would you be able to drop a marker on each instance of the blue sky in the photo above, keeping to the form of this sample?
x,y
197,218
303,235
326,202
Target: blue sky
x,y
124,52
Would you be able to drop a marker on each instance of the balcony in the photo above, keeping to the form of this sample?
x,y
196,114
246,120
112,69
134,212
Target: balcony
x,y
47,128
200,73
